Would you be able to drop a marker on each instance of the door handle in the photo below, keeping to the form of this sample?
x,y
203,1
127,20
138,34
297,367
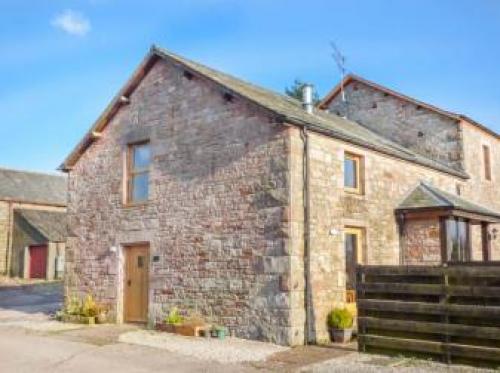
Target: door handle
x,y
129,282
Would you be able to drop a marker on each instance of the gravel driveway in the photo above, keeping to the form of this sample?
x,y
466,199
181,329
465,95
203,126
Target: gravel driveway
x,y
30,302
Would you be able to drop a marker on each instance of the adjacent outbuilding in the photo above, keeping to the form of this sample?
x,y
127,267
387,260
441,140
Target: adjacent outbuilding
x,y
32,224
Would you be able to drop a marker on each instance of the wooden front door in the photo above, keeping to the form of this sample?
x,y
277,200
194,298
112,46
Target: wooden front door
x,y
136,283
38,261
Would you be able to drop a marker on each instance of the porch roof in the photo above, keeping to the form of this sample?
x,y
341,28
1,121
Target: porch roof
x,y
429,198
50,224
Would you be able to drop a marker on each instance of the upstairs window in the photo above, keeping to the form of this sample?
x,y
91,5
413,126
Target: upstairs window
x,y
139,160
487,162
352,173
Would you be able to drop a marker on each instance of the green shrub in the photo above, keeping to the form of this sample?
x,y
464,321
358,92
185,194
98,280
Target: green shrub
x,y
89,307
174,317
73,306
340,318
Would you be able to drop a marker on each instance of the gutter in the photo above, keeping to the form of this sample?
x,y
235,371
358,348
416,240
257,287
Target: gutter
x,y
36,203
309,336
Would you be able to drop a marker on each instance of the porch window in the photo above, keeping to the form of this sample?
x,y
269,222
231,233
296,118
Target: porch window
x,y
139,159
353,256
352,173
457,240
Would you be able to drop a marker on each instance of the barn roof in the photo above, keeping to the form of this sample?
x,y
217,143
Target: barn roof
x,y
287,109
32,187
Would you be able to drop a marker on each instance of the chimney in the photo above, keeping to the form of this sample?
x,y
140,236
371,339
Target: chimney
x,y
307,98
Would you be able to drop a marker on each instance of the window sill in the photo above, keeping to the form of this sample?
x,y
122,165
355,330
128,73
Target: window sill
x,y
130,205
355,192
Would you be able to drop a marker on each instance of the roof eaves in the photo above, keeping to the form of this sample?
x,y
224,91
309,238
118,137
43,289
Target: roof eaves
x,y
108,112
282,116
479,125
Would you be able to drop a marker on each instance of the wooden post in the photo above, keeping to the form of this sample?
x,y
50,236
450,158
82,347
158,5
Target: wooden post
x,y
443,240
360,294
485,242
446,318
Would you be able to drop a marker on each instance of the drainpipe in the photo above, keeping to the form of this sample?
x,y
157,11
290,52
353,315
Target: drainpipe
x,y
308,335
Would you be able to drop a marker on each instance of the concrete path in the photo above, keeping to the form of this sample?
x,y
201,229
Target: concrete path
x,y
31,342
21,351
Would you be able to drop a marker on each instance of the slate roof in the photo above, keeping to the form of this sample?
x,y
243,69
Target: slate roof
x,y
23,186
286,108
50,224
425,196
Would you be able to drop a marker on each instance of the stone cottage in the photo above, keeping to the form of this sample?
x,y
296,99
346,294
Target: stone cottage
x,y
199,190
32,224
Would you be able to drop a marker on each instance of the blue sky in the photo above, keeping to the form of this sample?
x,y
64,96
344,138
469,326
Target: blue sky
x,y
61,61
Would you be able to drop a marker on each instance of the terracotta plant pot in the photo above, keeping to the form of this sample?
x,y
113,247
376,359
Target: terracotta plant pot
x,y
163,327
341,335
187,330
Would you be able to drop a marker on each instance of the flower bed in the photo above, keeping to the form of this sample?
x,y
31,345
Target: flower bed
x,y
191,326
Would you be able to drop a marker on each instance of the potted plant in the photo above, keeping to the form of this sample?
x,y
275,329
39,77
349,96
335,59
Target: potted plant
x,y
71,312
173,319
102,315
89,310
219,331
340,322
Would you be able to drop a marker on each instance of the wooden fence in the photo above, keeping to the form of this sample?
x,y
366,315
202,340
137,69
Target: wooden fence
x,y
451,313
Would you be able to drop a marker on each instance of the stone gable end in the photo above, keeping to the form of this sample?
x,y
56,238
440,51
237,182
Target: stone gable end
x,y
428,133
217,219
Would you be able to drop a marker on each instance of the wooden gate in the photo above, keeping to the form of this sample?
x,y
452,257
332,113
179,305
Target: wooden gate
x,y
38,261
449,313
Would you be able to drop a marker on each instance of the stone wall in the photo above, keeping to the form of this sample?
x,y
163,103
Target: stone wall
x,y
226,212
218,215
387,183
478,189
421,244
425,132
4,234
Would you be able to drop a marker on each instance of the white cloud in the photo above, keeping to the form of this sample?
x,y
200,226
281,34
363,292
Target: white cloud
x,y
72,22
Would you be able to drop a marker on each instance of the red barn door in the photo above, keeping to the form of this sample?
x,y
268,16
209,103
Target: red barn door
x,y
38,261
